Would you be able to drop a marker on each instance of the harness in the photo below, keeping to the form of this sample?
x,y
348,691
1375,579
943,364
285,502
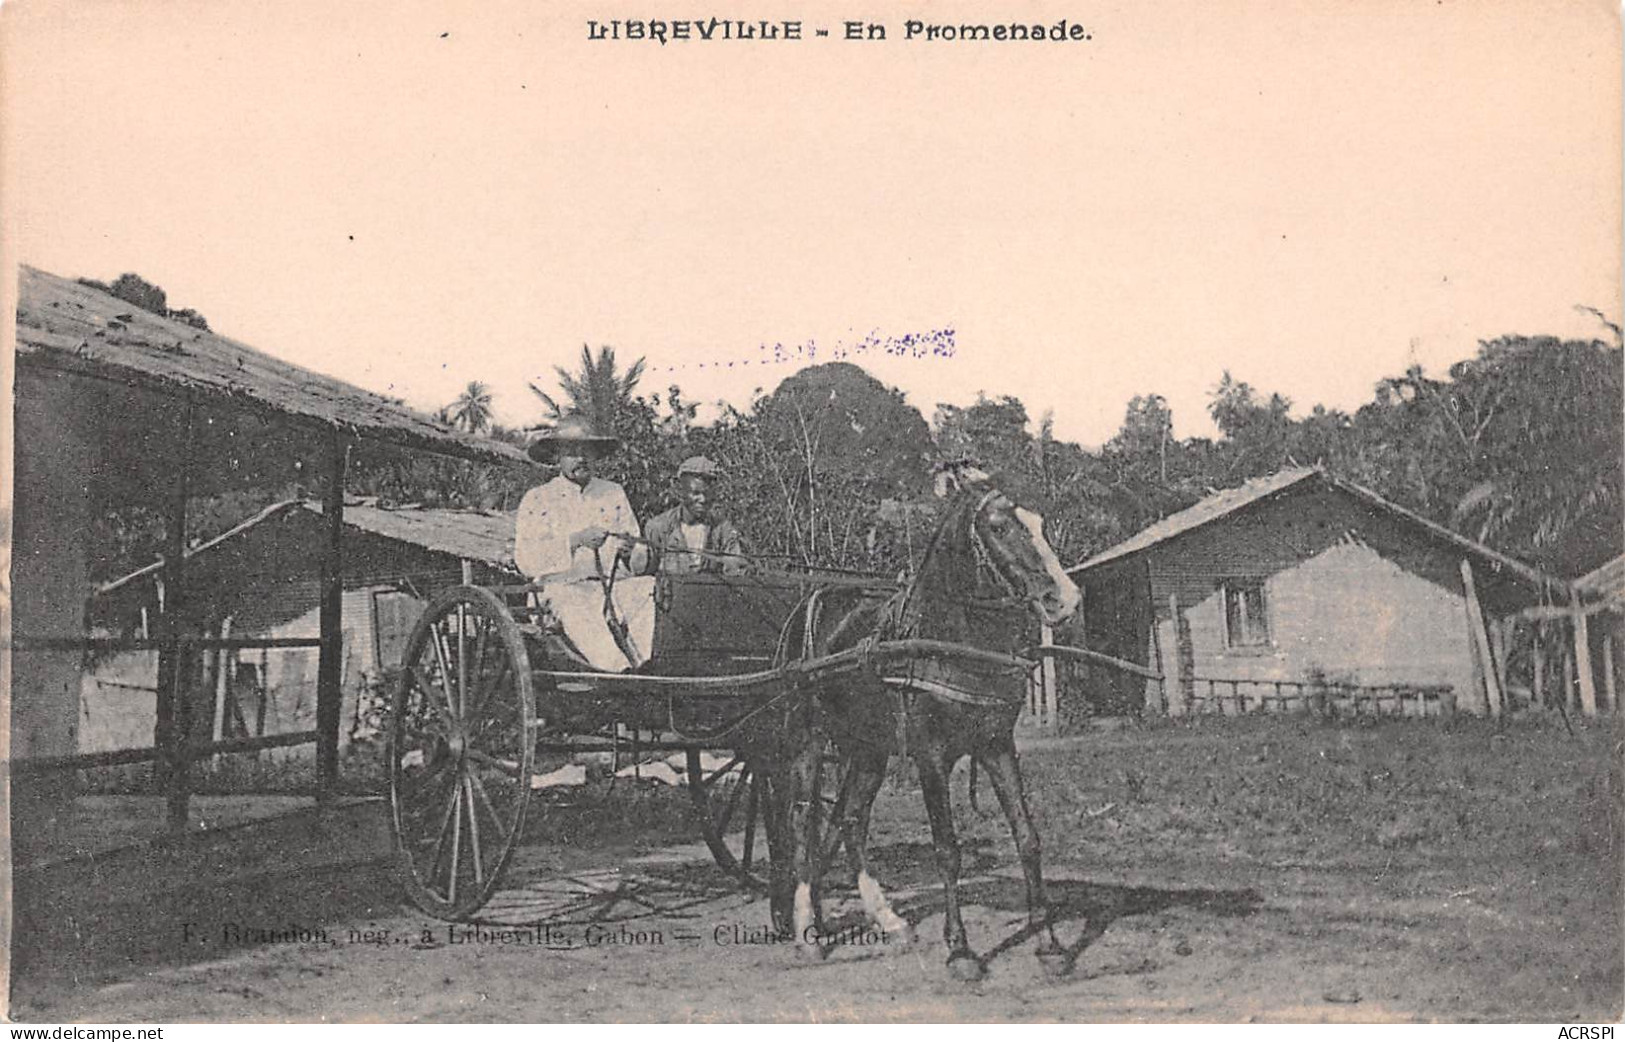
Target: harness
x,y
942,679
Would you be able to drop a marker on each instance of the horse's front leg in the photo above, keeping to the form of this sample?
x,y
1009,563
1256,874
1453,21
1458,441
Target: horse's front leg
x,y
1005,775
934,766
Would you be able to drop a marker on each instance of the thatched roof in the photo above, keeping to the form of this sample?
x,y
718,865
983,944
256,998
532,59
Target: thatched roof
x,y
471,534
1230,501
70,327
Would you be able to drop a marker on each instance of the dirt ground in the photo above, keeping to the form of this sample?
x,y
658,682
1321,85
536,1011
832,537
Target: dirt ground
x,y
1229,870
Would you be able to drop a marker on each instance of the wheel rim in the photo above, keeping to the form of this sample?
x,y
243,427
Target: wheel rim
x,y
732,801
461,751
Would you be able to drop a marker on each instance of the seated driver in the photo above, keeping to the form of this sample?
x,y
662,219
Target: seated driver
x,y
692,536
571,532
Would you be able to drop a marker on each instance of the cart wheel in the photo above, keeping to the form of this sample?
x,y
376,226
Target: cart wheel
x,y
462,740
733,803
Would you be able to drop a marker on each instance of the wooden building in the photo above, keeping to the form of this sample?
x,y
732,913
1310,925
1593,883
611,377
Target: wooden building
x,y
1301,588
117,408
262,579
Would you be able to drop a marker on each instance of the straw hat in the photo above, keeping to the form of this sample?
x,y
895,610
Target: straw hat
x,y
573,432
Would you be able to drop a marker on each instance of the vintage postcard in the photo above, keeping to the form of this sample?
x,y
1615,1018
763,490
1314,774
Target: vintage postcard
x,y
1040,511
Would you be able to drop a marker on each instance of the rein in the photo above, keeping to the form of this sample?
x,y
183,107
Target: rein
x,y
901,616
902,613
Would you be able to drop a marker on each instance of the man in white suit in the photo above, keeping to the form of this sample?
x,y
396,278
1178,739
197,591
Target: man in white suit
x,y
568,537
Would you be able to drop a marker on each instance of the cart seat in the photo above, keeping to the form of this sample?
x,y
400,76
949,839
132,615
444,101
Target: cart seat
x,y
708,624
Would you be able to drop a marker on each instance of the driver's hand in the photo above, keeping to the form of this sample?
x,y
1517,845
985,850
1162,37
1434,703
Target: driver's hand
x,y
591,537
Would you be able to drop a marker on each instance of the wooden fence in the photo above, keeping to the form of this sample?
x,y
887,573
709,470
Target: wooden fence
x,y
1238,695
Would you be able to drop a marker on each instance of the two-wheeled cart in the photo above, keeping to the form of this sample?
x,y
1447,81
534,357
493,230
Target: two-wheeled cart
x,y
488,682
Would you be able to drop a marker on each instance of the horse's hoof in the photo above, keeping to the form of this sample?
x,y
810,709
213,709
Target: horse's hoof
x,y
812,953
1057,962
965,966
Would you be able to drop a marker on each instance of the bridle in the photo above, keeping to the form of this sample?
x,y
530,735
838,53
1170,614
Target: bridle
x,y
984,557
903,614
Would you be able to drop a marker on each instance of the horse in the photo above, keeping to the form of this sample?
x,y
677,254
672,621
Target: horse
x,y
986,570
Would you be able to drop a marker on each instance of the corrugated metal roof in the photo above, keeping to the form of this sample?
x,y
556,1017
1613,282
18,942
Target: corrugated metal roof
x,y
76,328
1605,585
1210,509
1223,504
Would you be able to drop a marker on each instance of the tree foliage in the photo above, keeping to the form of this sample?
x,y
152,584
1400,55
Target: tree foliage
x,y
1518,447
133,289
472,409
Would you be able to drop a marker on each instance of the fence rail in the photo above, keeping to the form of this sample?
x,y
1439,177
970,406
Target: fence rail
x,y
1245,694
190,753
159,643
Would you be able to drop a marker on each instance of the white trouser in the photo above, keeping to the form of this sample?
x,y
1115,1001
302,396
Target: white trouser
x,y
578,604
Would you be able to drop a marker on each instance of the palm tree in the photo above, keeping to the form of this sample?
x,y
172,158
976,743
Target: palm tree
x,y
472,409
597,391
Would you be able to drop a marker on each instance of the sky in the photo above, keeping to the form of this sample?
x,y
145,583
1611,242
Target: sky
x,y
410,196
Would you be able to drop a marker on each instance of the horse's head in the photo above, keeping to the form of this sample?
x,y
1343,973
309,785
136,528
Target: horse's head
x,y
1008,541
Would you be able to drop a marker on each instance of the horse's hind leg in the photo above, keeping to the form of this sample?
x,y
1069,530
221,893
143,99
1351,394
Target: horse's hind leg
x,y
801,807
1005,775
866,772
934,767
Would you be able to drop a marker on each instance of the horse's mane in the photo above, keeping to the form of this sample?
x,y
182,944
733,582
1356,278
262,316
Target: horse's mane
x,y
933,603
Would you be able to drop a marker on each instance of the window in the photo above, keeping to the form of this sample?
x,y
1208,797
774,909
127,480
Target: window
x,y
1246,617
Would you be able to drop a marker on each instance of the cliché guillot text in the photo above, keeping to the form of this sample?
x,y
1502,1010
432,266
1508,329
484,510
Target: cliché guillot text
x,y
664,31
629,935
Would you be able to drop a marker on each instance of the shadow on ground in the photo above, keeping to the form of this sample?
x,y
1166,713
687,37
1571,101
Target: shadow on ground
x,y
95,919
912,867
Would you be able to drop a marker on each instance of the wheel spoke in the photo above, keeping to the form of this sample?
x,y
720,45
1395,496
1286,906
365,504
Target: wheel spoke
x,y
479,668
507,767
478,788
462,659
476,719
474,833
428,687
440,836
456,841
750,824
443,656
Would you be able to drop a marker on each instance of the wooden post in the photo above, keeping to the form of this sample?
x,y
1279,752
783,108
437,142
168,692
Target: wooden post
x,y
1570,697
1502,638
1050,718
1538,654
174,724
222,684
1484,661
328,694
1582,661
1608,671
1156,691
1178,697
468,572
